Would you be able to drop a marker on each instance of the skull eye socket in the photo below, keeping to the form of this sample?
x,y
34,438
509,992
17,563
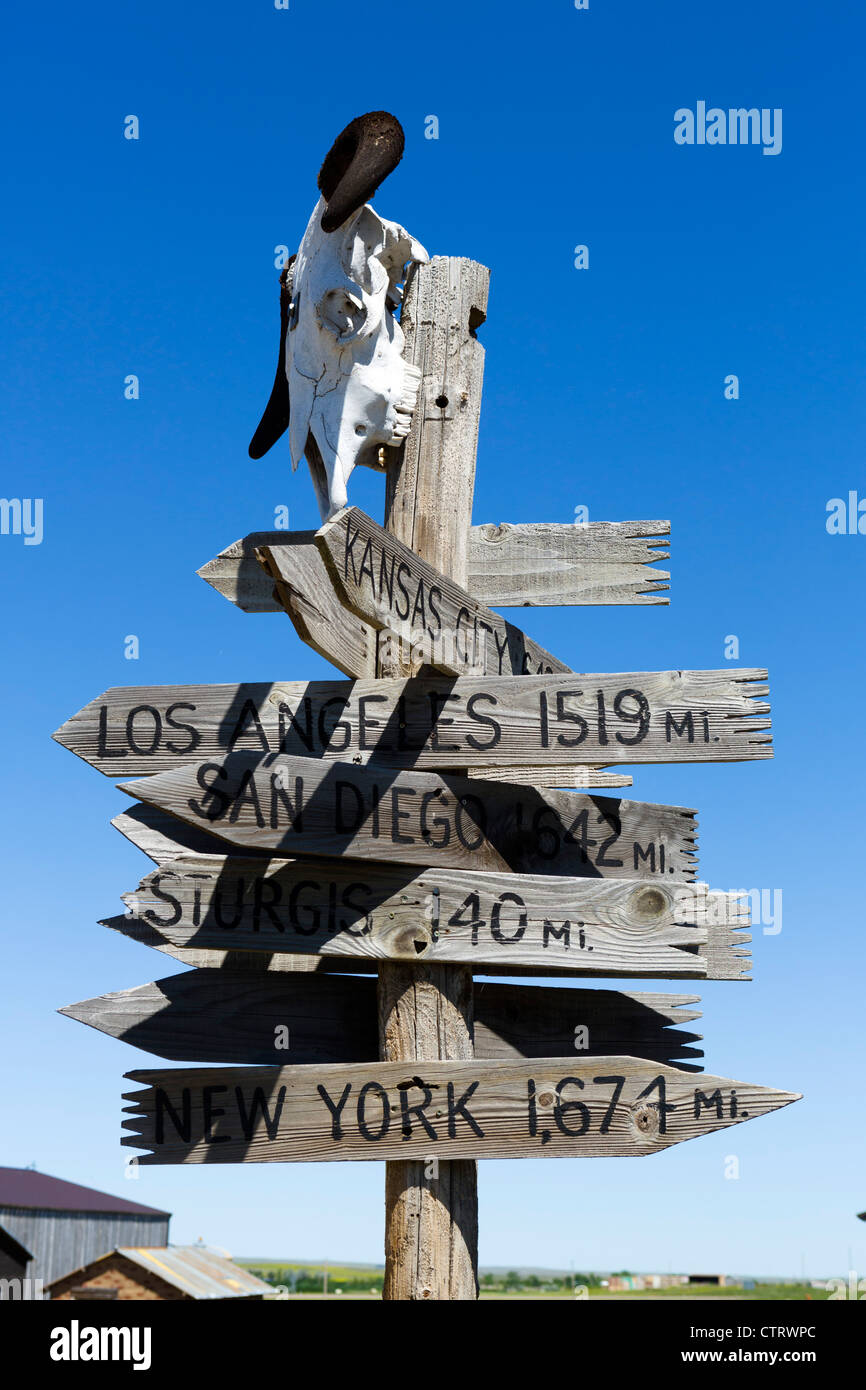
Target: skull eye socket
x,y
342,313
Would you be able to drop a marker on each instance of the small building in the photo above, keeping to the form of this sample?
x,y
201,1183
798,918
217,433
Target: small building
x,y
621,1283
62,1226
168,1273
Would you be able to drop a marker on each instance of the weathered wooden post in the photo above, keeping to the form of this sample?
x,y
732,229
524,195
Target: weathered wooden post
x,y
425,1012
289,820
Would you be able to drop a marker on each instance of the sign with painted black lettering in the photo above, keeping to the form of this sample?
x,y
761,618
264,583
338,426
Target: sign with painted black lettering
x,y
525,566
545,1108
387,585
257,1018
534,721
305,806
504,921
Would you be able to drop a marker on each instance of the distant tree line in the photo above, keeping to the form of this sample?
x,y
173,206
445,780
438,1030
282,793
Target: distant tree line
x,y
512,1282
306,1280
313,1280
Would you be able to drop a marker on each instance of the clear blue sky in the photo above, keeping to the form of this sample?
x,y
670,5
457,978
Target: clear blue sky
x,y
604,387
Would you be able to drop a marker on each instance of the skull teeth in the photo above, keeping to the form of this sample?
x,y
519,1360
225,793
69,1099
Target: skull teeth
x,y
404,406
411,382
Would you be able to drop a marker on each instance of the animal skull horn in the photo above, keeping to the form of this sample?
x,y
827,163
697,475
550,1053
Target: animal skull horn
x,y
342,388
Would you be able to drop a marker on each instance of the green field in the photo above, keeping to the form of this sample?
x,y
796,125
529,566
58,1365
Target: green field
x,y
306,1280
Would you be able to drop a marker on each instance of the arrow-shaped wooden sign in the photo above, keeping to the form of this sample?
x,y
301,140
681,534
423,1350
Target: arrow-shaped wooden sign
x,y
529,565
503,921
500,723
248,962
386,584
546,1108
540,564
240,1017
298,584
163,837
294,806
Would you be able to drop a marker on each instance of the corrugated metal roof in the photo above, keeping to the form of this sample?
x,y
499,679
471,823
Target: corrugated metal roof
x,y
25,1188
196,1271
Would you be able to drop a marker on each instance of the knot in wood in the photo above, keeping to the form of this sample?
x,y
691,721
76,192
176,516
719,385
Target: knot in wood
x,y
650,905
646,1120
408,942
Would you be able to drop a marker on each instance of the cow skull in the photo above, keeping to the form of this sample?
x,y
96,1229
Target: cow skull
x,y
342,387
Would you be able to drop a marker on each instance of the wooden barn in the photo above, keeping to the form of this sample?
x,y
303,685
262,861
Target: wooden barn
x,y
168,1273
61,1226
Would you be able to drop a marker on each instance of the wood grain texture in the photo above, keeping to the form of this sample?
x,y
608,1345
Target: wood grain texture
x,y
237,573
525,565
431,478
431,1227
230,1015
303,589
294,579
489,722
541,564
248,962
163,837
498,921
234,1016
440,1110
256,961
383,582
293,806
590,778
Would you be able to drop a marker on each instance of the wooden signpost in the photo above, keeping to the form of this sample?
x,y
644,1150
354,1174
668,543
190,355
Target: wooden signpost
x,y
440,1110
411,822
524,566
137,929
505,921
231,1015
294,806
490,722
388,586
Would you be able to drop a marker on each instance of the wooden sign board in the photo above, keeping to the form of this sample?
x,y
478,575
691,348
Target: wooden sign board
x,y
599,1107
163,837
539,564
294,806
530,565
297,582
248,962
231,1016
499,921
387,585
491,723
